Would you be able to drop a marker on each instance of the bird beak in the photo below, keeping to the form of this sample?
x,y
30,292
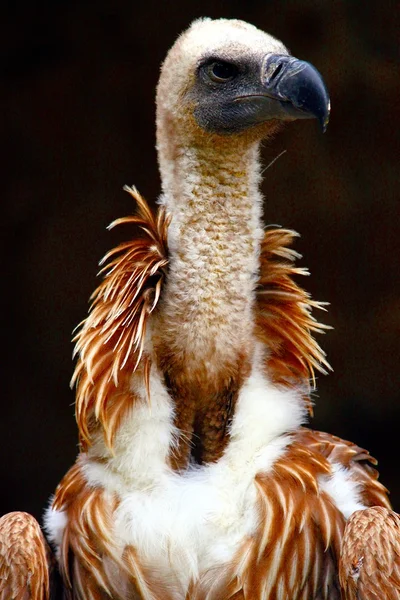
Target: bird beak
x,y
298,86
290,89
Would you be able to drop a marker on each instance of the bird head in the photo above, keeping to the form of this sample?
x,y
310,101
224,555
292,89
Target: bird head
x,y
227,78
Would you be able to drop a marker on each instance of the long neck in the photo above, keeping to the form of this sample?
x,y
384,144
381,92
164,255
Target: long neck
x,y
213,197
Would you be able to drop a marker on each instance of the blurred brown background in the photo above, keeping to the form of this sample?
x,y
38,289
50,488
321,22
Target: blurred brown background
x,y
77,123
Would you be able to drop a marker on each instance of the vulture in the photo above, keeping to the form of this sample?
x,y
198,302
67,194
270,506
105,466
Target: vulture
x,y
197,476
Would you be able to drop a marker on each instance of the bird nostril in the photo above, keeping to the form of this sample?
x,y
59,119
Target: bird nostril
x,y
276,72
273,68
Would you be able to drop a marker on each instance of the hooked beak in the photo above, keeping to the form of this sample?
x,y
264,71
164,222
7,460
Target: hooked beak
x,y
290,89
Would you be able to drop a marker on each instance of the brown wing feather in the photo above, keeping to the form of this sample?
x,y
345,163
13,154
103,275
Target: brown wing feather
x,y
295,555
357,460
90,560
110,342
24,559
370,558
87,541
284,320
295,549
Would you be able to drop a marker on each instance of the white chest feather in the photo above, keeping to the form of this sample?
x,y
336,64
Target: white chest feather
x,y
190,522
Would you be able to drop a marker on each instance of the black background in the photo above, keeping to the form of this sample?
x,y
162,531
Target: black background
x,y
77,123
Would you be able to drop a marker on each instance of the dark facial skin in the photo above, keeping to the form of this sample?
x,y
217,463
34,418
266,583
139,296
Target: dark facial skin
x,y
231,97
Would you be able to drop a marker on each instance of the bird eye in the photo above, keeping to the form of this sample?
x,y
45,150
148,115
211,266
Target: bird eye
x,y
222,71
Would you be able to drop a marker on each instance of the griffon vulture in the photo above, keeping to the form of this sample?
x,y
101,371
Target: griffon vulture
x,y
196,477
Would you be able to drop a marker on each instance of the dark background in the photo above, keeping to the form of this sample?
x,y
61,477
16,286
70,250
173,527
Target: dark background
x,y
77,123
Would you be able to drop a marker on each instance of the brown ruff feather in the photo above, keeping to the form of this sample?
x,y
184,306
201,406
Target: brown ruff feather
x,y
284,320
111,339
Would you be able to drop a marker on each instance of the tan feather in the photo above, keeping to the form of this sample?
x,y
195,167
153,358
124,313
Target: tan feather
x,y
25,559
